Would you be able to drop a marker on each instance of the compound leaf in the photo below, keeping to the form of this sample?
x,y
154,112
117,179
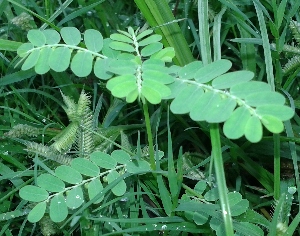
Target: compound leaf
x,y
52,36
103,160
36,37
211,71
74,198
93,40
234,127
50,183
121,38
120,156
151,49
120,46
59,59
68,174
58,208
100,69
37,212
31,60
120,188
229,79
70,35
82,63
24,48
253,124
42,65
33,193
94,188
273,124
85,167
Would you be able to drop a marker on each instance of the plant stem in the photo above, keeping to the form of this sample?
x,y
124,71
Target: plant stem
x,y
276,139
220,177
149,135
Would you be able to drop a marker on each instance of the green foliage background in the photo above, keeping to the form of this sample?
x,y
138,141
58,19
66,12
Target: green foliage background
x,y
59,117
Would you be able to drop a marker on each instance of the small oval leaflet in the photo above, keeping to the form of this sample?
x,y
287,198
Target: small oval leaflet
x,y
36,37
33,193
94,188
120,156
68,174
120,188
52,36
82,63
93,40
103,160
70,35
74,198
58,208
37,212
59,59
85,167
50,183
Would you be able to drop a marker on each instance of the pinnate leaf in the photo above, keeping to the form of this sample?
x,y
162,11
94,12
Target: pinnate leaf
x,y
82,63
94,188
59,59
50,183
33,193
70,35
93,40
85,167
36,37
58,208
37,212
52,36
103,160
211,71
150,40
68,174
42,65
120,188
31,60
74,198
120,46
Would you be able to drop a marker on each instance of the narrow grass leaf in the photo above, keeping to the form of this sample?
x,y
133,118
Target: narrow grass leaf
x,y
37,212
164,195
58,208
9,45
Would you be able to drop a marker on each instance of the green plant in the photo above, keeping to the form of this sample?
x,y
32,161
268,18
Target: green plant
x,y
140,72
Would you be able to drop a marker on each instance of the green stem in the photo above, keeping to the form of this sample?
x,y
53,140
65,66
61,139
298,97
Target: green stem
x,y
276,139
149,134
220,177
